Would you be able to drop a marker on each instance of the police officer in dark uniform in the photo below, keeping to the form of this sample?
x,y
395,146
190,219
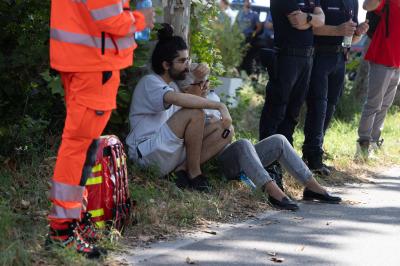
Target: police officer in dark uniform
x,y
327,78
287,86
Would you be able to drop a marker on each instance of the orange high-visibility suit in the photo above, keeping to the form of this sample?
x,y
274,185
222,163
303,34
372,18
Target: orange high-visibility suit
x,y
90,41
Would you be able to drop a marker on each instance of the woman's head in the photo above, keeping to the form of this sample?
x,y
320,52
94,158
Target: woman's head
x,y
196,81
170,54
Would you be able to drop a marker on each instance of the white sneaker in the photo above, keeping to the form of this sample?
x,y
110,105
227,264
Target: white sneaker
x,y
376,146
362,151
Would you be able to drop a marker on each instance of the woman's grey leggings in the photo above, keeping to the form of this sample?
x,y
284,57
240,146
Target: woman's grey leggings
x,y
243,156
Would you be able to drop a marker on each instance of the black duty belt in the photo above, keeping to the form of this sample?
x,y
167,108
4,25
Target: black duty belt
x,y
292,51
330,49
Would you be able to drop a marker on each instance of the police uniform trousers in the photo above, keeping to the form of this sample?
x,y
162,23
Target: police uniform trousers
x,y
285,95
326,87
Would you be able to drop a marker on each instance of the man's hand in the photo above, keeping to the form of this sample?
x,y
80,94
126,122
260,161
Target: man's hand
x,y
225,116
297,18
204,89
194,89
347,29
201,71
362,28
199,89
149,16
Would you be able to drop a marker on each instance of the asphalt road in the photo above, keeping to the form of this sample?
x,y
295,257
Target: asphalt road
x,y
364,230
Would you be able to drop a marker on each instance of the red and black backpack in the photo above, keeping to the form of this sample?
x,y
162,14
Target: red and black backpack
x,y
108,192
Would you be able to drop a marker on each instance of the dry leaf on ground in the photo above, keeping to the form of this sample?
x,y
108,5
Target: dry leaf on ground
x,y
277,259
351,202
269,222
210,232
190,261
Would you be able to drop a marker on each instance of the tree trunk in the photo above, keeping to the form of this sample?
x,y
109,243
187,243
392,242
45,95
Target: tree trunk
x,y
177,13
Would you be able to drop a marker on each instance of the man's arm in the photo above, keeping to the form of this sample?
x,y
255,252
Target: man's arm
x,y
298,19
259,27
268,23
190,101
371,5
111,17
318,17
197,102
360,31
345,29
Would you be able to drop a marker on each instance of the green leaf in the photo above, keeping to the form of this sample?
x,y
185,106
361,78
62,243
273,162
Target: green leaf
x,y
124,96
55,86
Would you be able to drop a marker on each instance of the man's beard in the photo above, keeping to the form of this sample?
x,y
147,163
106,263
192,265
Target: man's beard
x,y
176,75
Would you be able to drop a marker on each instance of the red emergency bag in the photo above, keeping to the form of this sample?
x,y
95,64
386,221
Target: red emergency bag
x,y
108,192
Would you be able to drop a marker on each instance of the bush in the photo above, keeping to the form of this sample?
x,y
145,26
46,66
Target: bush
x,y
202,45
27,106
230,42
31,100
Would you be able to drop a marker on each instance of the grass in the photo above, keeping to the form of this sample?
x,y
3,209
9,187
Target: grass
x,y
163,210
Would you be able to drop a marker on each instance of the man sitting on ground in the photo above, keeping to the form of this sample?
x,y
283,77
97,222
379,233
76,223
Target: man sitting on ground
x,y
244,157
160,134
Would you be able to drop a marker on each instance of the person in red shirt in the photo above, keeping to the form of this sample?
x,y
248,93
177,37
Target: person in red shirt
x,y
384,57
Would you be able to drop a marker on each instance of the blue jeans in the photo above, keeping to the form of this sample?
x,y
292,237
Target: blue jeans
x,y
243,156
285,96
326,87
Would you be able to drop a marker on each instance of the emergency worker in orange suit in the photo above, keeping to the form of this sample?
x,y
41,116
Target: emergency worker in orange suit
x,y
90,41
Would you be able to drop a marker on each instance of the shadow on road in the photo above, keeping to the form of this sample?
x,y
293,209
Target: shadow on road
x,y
321,228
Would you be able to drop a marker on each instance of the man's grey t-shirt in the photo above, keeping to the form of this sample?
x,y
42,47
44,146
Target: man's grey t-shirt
x,y
148,111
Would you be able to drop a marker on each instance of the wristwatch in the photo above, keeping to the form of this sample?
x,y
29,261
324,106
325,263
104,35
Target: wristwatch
x,y
309,17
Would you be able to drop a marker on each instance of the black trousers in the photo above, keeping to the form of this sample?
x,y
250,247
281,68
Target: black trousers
x,y
326,87
285,95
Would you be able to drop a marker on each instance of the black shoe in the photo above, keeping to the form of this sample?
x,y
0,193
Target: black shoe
x,y
275,172
200,183
327,198
284,204
330,168
322,171
182,180
314,163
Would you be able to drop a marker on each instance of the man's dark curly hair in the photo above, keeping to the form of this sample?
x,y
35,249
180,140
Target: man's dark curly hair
x,y
166,48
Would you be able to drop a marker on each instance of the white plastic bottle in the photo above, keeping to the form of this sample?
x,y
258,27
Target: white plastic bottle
x,y
213,96
347,40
